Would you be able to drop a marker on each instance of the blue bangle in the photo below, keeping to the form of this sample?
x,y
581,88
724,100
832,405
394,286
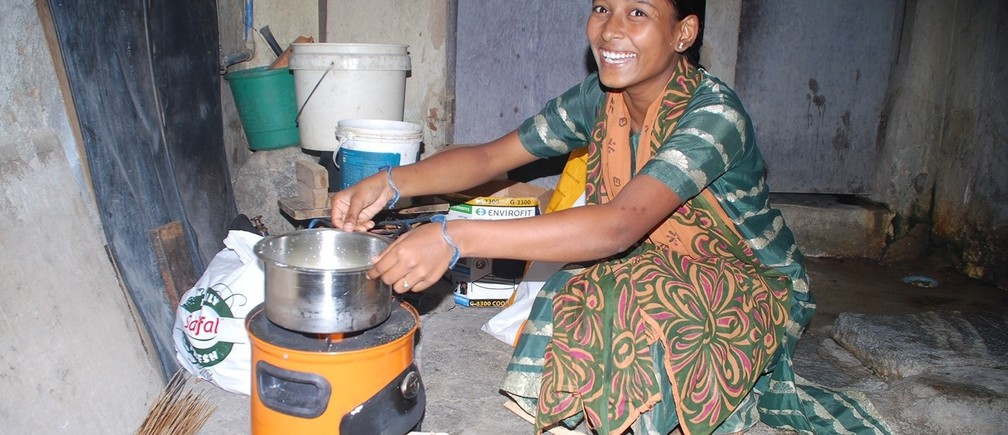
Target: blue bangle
x,y
395,190
444,234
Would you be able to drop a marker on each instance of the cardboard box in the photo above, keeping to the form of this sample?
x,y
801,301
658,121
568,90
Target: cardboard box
x,y
499,199
484,293
487,281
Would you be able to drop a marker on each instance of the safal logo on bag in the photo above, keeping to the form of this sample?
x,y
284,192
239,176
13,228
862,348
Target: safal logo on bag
x,y
208,319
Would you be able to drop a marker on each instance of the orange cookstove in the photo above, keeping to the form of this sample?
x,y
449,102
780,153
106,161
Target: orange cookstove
x,y
364,382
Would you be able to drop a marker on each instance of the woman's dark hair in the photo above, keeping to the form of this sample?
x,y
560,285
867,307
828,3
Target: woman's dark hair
x,y
685,8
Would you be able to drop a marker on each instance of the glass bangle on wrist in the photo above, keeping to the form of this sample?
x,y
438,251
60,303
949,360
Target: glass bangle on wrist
x,y
456,253
395,190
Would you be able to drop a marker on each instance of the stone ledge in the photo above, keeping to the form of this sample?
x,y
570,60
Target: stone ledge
x,y
839,226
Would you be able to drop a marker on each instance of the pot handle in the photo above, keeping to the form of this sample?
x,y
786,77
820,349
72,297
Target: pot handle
x,y
289,392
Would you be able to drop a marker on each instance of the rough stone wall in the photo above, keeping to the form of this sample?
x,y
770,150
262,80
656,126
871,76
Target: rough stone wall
x,y
260,178
427,27
720,46
912,121
73,356
945,132
287,20
971,185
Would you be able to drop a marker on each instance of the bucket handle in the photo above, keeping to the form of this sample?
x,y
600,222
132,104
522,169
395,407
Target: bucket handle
x,y
340,140
298,118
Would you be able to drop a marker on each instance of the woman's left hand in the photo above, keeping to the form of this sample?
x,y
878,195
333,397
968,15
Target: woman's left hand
x,y
415,261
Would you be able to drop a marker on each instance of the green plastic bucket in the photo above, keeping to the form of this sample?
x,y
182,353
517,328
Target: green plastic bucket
x,y
267,106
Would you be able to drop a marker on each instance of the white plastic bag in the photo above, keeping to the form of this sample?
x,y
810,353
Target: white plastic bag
x,y
506,325
209,333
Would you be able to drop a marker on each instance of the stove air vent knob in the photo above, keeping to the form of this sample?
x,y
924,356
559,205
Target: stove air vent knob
x,y
410,386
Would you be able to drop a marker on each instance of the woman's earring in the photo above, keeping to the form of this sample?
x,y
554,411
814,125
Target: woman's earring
x,y
682,46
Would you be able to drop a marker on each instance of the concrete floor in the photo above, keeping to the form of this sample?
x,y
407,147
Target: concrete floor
x,y
461,365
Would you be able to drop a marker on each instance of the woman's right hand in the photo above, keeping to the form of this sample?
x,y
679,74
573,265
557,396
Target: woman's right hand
x,y
354,207
469,166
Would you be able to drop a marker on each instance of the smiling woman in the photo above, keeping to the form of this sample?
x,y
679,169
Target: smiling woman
x,y
682,292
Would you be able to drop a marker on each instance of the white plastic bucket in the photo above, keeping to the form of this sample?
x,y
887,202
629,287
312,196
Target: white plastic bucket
x,y
364,146
346,81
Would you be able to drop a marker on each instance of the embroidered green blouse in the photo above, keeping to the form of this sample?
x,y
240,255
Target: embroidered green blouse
x,y
713,147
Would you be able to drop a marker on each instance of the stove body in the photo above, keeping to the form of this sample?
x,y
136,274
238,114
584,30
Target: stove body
x,y
364,382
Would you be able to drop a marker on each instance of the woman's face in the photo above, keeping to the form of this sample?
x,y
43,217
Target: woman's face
x,y
634,43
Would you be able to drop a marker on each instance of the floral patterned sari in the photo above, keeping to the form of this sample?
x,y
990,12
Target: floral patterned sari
x,y
694,286
686,329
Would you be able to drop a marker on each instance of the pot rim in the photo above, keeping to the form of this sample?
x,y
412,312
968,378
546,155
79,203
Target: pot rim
x,y
259,249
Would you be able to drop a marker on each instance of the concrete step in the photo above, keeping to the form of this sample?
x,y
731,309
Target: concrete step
x,y
836,226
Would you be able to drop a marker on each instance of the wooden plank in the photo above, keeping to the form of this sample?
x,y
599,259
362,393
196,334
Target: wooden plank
x,y
301,210
315,198
49,30
172,252
311,174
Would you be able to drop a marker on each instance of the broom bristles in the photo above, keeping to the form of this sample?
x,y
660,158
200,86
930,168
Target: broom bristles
x,y
178,410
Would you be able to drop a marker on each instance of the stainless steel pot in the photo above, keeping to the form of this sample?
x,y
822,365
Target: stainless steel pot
x,y
316,283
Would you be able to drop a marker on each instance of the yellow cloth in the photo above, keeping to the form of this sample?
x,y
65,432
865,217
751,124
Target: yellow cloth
x,y
572,181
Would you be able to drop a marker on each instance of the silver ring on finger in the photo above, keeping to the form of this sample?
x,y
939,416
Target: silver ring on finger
x,y
405,284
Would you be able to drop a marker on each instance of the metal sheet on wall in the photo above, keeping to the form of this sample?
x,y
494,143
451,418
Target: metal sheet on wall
x,y
814,77
513,57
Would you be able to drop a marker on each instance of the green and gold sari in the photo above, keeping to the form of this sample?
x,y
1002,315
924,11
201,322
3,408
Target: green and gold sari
x,y
688,328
